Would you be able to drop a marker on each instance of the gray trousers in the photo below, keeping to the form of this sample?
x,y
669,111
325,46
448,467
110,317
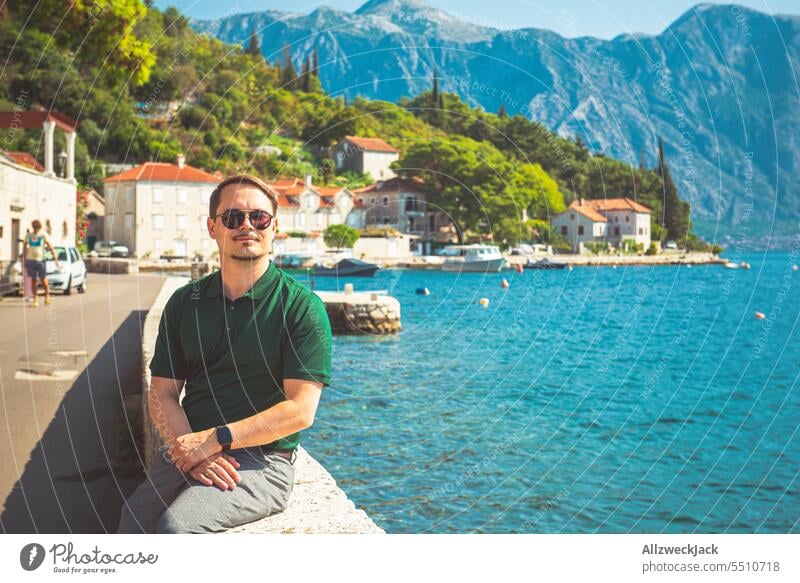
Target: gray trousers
x,y
171,501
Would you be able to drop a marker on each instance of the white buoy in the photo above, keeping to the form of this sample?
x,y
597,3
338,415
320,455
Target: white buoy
x,y
484,302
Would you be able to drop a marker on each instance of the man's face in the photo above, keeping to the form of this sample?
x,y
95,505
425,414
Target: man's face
x,y
245,242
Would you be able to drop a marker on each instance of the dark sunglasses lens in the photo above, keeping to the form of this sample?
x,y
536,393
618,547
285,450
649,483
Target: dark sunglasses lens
x,y
232,219
260,219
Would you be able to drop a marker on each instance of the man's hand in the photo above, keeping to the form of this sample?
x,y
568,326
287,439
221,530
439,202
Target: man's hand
x,y
218,470
189,450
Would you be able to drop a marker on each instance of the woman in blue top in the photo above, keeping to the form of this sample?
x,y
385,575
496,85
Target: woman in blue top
x,y
33,252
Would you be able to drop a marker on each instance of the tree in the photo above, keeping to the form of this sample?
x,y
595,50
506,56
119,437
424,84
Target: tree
x,y
253,47
501,111
315,63
288,73
676,212
340,236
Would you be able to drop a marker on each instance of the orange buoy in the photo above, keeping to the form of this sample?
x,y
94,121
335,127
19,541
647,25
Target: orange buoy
x,y
504,283
519,268
760,316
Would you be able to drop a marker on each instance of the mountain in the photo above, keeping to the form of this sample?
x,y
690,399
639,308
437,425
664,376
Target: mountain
x,y
719,84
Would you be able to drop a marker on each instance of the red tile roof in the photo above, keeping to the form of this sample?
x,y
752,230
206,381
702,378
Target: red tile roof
x,y
163,172
371,144
588,212
616,204
25,159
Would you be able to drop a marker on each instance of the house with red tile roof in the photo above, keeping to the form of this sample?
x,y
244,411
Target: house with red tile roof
x,y
611,220
371,156
304,206
159,208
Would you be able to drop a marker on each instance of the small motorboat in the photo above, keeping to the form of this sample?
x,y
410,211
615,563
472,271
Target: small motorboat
x,y
545,263
348,267
473,258
731,265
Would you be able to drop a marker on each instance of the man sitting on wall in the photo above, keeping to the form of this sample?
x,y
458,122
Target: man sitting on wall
x,y
252,348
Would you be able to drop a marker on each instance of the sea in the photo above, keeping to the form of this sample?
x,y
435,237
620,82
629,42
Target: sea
x,y
659,399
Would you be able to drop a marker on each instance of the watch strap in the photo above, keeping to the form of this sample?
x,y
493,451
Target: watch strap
x,y
224,437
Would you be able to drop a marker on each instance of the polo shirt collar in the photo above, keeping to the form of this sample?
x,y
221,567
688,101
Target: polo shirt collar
x,y
260,288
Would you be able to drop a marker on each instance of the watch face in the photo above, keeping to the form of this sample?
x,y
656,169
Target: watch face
x,y
224,435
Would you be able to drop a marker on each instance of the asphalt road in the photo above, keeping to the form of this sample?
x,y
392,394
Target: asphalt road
x,y
67,460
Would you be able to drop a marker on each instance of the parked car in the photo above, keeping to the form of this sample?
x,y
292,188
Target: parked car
x,y
71,272
670,245
111,249
522,249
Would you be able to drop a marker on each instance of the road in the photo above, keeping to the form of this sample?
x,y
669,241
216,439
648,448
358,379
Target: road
x,y
65,372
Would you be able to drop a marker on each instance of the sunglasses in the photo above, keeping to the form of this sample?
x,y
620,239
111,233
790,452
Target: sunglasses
x,y
234,218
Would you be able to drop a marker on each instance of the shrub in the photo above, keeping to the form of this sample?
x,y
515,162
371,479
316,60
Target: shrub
x,y
341,236
652,249
378,232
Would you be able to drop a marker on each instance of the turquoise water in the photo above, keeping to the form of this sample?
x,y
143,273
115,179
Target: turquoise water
x,y
595,400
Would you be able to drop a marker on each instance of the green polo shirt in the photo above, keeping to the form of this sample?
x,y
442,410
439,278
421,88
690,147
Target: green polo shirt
x,y
234,355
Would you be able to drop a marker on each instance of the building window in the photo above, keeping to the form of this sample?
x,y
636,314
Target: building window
x,y
564,230
432,223
572,216
616,231
372,200
64,230
580,229
182,222
627,219
385,220
158,222
616,219
157,197
641,231
181,195
385,201
360,201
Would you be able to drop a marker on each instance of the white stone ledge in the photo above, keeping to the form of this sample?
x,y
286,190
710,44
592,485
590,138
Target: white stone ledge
x,y
317,505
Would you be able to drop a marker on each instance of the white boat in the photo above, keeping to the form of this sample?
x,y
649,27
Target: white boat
x,y
473,258
731,265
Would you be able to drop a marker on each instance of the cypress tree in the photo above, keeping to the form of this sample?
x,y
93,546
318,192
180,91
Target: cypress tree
x,y
289,75
676,215
501,111
315,63
253,48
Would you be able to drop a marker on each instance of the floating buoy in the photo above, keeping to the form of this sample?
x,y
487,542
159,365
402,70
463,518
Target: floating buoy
x,y
484,302
794,268
423,291
688,266
519,268
760,316
504,283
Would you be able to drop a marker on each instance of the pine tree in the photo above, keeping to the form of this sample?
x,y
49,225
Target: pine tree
x,y
676,212
289,75
253,48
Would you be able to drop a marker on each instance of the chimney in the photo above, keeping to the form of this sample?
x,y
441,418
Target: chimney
x,y
180,159
307,182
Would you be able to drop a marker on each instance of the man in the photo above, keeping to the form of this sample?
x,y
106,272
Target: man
x,y
253,347
33,251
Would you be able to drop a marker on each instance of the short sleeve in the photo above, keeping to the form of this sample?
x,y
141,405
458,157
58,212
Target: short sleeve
x,y
308,342
168,360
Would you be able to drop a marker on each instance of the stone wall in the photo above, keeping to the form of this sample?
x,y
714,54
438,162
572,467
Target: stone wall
x,y
361,313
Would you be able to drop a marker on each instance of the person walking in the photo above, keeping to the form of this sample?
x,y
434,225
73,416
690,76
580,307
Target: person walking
x,y
250,346
33,251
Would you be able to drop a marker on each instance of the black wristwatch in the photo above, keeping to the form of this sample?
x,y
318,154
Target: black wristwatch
x,y
224,437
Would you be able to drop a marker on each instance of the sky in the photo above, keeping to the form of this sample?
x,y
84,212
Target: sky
x,y
570,18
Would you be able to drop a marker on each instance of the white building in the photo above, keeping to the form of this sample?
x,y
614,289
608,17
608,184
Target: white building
x,y
160,209
30,190
611,220
305,207
370,156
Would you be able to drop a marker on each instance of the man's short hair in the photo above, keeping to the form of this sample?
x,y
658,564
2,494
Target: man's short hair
x,y
213,202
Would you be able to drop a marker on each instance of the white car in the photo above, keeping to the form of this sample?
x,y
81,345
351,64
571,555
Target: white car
x,y
670,245
71,272
111,249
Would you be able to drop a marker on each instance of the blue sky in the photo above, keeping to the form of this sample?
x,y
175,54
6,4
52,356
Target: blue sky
x,y
571,18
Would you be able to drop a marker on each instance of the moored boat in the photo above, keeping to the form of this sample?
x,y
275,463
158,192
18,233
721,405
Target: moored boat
x,y
474,258
348,267
545,263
